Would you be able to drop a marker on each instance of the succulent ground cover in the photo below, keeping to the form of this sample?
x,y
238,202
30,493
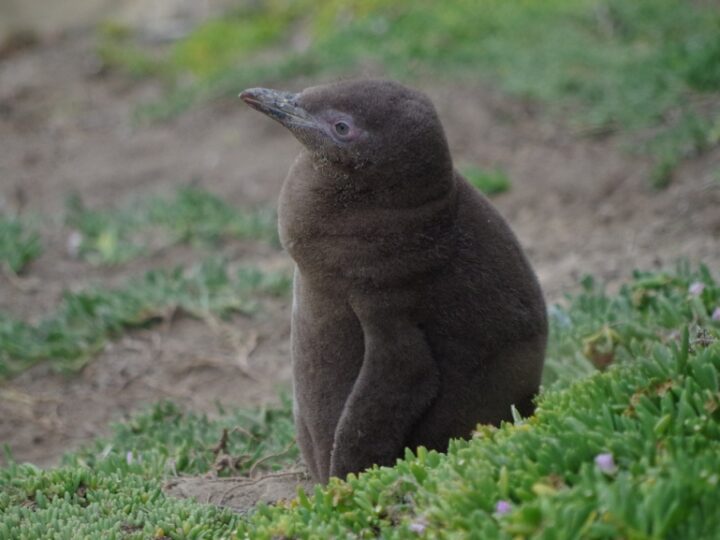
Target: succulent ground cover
x,y
625,444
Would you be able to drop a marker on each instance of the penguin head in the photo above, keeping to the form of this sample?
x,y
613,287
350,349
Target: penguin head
x,y
375,130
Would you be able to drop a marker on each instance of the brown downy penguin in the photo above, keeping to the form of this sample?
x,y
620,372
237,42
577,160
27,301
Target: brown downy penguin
x,y
416,315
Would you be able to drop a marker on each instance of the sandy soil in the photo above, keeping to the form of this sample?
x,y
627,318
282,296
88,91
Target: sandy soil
x,y
579,205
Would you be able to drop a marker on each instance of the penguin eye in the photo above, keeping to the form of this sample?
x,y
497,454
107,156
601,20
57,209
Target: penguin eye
x,y
342,128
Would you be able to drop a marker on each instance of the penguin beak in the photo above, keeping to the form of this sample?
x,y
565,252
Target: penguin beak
x,y
278,105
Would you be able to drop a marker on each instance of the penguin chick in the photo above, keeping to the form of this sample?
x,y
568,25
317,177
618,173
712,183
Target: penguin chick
x,y
416,314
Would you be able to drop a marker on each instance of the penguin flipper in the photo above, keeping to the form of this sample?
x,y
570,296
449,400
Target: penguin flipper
x,y
398,382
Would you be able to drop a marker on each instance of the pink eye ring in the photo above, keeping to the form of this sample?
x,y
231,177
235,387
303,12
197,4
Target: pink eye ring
x,y
341,128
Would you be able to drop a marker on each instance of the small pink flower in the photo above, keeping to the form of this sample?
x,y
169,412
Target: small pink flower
x,y
606,463
503,507
696,288
418,526
716,314
129,458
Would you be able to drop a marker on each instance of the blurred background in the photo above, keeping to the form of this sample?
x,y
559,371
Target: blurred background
x,y
137,231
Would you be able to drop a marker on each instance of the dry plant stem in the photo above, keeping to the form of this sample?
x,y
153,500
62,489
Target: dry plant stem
x,y
271,456
168,317
240,483
173,393
26,409
243,346
244,431
152,355
8,393
222,445
246,481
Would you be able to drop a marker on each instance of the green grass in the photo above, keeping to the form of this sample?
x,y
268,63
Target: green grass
x,y
655,409
221,43
117,50
648,67
18,246
84,321
490,182
192,215
212,47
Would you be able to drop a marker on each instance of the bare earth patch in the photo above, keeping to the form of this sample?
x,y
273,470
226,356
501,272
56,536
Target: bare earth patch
x,y
243,362
579,205
240,494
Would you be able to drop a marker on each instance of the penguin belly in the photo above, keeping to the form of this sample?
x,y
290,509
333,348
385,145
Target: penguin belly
x,y
327,354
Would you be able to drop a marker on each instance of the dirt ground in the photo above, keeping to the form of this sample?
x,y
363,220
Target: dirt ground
x,y
579,205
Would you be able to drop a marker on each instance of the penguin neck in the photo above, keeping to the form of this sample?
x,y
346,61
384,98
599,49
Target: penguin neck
x,y
334,226
365,186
